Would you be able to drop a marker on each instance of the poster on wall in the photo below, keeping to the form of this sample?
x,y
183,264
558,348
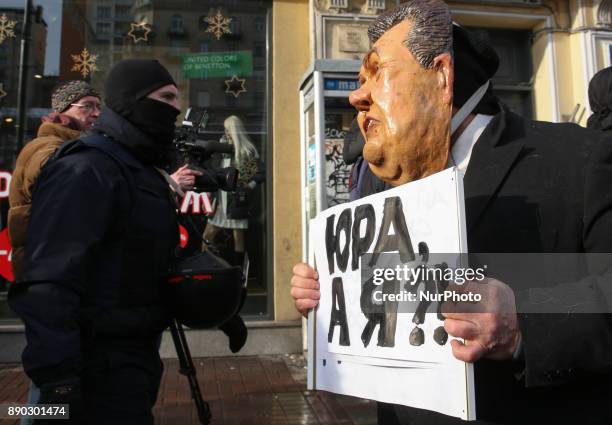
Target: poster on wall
x,y
337,172
378,332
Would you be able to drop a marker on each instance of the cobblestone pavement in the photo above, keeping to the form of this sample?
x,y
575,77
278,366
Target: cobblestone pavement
x,y
258,390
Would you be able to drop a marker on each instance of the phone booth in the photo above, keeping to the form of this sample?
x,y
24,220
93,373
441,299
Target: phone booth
x,y
325,116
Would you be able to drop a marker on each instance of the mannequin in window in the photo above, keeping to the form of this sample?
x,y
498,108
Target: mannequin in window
x,y
245,161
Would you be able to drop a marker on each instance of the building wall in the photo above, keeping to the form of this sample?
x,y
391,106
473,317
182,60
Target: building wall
x,y
546,102
291,41
569,46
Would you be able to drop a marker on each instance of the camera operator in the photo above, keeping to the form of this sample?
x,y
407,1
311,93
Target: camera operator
x,y
198,174
102,233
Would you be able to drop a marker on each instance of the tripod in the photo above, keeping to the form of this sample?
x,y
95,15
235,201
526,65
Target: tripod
x,y
187,369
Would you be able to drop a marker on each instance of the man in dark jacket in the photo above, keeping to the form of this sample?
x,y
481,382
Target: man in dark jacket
x,y
530,187
102,233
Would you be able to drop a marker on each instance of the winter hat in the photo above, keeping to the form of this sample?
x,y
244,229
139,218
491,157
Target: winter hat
x,y
600,100
70,92
132,79
475,62
127,86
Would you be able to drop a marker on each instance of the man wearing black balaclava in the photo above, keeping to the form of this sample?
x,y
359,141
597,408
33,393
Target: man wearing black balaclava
x,y
143,93
102,233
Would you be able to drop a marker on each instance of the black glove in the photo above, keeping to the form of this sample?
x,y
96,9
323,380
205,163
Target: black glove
x,y
236,331
64,392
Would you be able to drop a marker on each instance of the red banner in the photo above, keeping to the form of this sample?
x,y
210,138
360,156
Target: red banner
x,y
6,269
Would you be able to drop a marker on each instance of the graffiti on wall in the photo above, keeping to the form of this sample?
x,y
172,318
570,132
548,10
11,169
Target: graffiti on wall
x,y
337,173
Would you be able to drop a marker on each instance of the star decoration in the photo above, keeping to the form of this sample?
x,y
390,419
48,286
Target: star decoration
x,y
2,92
235,86
218,24
85,63
7,28
139,31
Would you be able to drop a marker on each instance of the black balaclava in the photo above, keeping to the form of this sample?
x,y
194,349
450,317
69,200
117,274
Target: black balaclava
x,y
600,99
475,62
127,85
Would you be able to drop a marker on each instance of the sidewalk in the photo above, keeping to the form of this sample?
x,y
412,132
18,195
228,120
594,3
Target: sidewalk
x,y
258,390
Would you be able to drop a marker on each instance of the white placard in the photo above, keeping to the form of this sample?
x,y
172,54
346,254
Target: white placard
x,y
390,367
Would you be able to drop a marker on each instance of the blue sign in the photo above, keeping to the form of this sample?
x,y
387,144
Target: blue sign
x,y
341,84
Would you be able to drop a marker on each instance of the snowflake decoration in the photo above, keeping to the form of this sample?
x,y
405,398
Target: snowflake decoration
x,y
2,92
235,86
218,24
85,63
139,31
7,28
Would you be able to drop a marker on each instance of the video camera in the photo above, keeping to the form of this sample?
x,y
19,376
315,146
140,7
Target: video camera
x,y
196,152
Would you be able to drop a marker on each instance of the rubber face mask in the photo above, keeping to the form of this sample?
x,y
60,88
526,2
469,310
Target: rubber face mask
x,y
405,110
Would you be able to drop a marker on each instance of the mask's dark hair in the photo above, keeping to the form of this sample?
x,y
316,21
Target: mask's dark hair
x,y
431,33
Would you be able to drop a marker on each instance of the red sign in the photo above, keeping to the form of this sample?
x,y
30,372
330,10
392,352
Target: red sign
x,y
6,268
5,182
184,236
199,203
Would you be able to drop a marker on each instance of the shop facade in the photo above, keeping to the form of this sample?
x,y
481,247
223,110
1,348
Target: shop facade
x,y
223,56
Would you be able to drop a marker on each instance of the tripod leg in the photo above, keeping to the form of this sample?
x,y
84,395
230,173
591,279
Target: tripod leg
x,y
187,368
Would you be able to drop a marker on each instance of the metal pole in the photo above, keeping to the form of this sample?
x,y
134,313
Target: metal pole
x,y
23,75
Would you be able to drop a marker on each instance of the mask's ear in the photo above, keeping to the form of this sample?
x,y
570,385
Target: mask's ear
x,y
443,66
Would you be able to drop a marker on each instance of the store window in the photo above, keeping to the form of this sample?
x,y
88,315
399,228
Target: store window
x,y
177,24
123,12
218,53
235,26
104,12
259,50
103,29
204,99
260,23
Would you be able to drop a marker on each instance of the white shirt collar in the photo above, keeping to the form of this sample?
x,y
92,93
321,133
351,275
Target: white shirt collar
x,y
462,148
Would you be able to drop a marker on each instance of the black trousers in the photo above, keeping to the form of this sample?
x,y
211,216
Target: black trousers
x,y
121,381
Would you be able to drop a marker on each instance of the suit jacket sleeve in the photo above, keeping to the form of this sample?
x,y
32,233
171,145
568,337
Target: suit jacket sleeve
x,y
570,334
71,214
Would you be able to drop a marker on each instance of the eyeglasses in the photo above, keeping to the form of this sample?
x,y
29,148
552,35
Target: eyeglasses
x,y
88,106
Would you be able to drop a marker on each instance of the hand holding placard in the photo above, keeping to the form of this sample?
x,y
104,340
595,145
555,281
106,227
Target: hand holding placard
x,y
489,328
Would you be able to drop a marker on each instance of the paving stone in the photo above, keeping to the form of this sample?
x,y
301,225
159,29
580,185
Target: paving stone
x,y
256,390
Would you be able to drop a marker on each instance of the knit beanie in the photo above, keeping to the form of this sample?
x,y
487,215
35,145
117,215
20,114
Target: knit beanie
x,y
600,100
127,88
70,92
131,80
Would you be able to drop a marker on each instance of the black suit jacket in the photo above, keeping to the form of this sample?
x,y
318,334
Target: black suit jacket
x,y
536,187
